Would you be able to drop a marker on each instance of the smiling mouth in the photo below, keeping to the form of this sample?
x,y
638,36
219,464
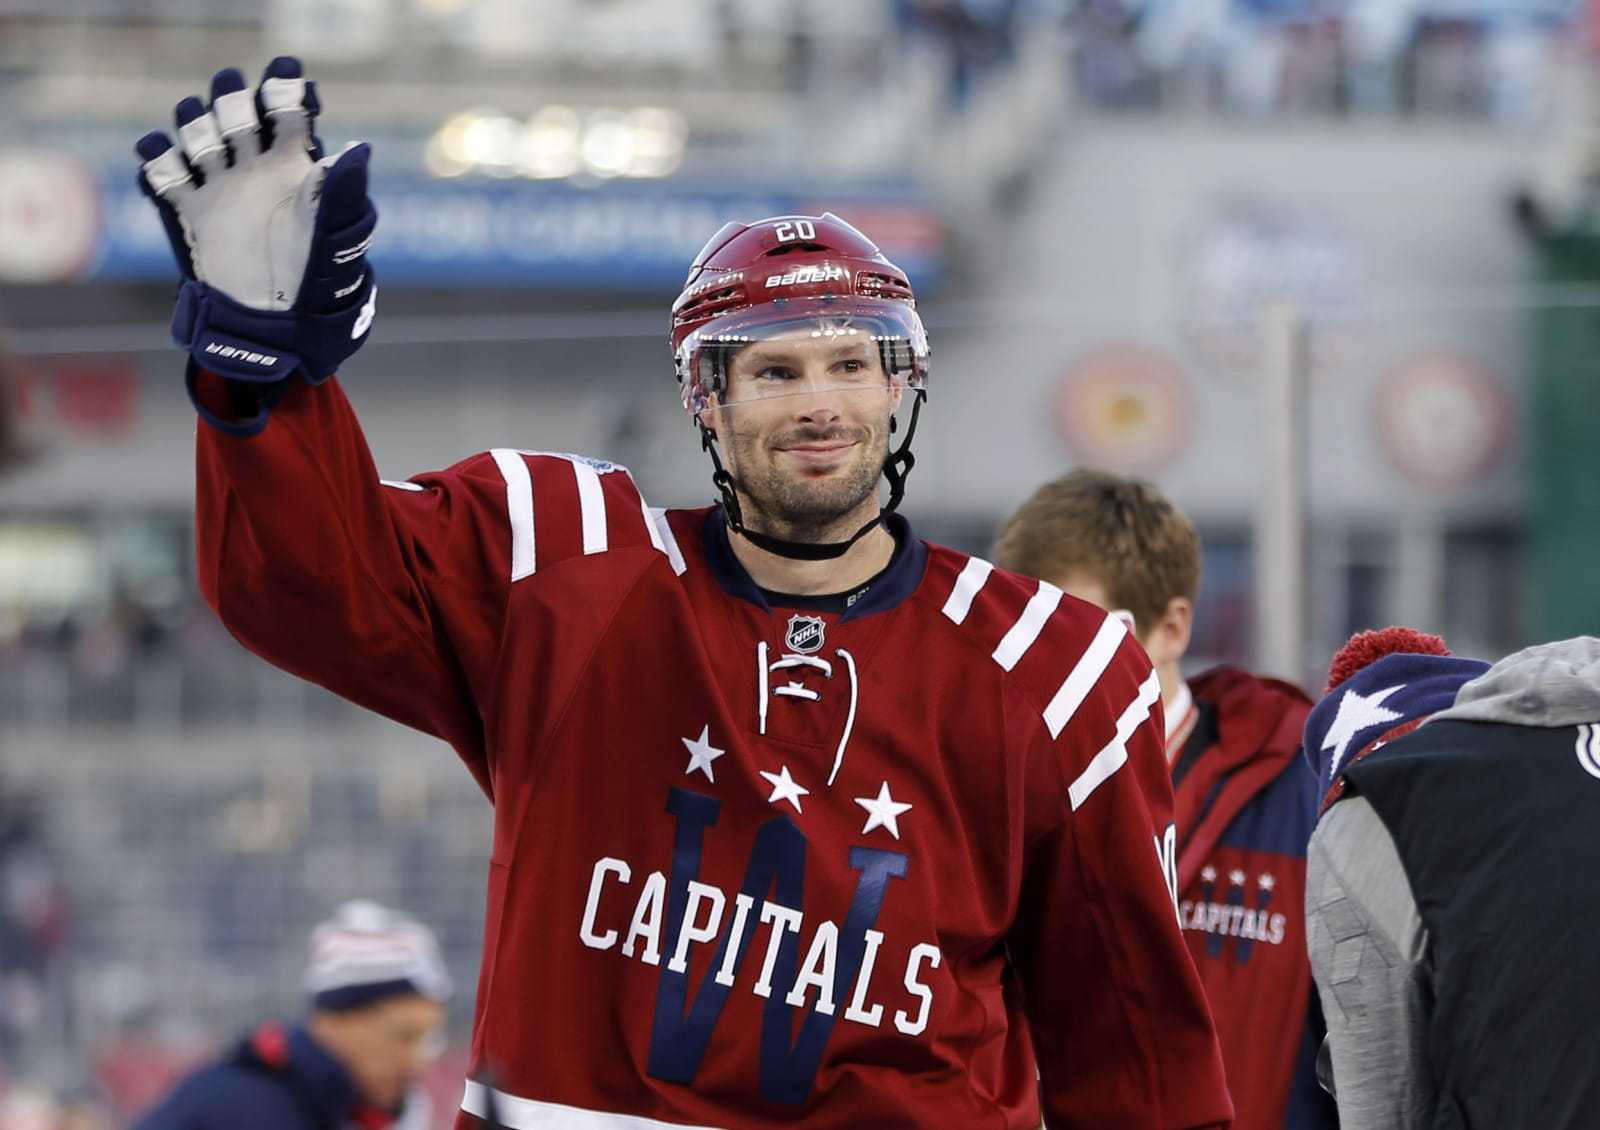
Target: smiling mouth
x,y
817,452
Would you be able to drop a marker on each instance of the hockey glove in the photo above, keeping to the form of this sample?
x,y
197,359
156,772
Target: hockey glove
x,y
270,235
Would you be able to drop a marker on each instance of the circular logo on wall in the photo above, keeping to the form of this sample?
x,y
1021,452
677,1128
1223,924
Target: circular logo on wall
x,y
1123,408
49,216
1443,419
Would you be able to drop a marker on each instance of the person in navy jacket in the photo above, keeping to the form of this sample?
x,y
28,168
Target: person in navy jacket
x,y
376,986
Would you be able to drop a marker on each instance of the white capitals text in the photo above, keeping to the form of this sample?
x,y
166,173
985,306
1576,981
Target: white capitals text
x,y
1233,921
703,918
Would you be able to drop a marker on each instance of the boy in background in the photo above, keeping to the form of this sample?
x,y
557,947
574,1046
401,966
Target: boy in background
x,y
1245,801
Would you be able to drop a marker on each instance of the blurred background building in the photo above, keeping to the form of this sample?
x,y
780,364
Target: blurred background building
x,y
1097,199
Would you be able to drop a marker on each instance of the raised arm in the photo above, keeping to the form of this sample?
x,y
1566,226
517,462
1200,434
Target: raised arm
x,y
389,595
369,590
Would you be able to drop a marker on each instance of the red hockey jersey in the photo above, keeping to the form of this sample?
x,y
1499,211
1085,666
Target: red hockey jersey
x,y
751,866
1246,803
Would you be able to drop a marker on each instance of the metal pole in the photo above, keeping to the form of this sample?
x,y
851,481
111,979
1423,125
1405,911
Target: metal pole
x,y
1280,513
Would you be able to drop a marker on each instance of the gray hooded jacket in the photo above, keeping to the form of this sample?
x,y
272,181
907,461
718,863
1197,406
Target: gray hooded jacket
x,y
1369,948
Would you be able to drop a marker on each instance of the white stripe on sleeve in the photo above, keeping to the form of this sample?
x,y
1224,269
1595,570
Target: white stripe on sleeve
x,y
519,507
1085,674
592,506
1115,755
1028,626
665,540
530,1114
967,586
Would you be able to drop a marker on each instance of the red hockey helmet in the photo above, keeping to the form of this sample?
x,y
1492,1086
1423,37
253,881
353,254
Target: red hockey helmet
x,y
755,280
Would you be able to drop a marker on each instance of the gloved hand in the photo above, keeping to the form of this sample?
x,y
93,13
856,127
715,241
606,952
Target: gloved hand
x,y
270,235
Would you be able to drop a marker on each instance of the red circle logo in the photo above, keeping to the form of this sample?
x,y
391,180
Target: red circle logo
x,y
1123,408
1443,419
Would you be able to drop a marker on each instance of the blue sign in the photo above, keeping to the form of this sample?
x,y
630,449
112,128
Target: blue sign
x,y
615,236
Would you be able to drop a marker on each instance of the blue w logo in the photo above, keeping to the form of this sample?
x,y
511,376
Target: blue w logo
x,y
776,874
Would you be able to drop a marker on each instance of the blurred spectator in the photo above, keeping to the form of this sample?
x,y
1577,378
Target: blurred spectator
x,y
32,925
975,37
12,448
1104,58
376,986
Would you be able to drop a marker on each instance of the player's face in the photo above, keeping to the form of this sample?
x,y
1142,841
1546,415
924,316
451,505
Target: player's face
x,y
385,1044
804,427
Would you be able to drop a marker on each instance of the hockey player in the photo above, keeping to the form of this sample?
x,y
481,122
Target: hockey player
x,y
1245,799
797,819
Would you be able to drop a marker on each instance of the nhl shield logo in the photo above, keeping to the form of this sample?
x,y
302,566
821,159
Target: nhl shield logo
x,y
804,634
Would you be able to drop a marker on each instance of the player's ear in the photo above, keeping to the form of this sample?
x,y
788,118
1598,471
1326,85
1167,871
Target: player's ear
x,y
1169,637
711,418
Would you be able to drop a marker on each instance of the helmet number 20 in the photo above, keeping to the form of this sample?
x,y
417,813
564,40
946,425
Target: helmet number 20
x,y
787,230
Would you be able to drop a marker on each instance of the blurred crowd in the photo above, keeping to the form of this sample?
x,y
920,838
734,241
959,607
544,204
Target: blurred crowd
x,y
1389,58
132,659
147,911
33,937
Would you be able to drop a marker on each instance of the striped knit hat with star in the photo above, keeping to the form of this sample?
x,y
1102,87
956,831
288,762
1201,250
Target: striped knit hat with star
x,y
367,952
1382,684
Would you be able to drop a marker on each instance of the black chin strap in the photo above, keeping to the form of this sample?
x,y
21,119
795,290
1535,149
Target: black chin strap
x,y
895,468
806,550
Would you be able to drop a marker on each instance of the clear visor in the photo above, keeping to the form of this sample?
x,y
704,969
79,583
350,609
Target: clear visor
x,y
805,347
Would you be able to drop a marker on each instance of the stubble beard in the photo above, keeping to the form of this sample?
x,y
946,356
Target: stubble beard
x,y
808,509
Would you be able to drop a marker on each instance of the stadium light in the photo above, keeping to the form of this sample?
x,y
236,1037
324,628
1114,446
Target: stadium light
x,y
559,142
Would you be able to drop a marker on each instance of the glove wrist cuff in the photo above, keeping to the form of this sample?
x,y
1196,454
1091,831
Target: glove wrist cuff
x,y
234,340
211,395
264,346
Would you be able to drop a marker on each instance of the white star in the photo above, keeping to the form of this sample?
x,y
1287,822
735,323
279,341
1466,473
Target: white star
x,y
1356,713
1236,877
1266,882
1208,873
702,753
883,811
784,787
